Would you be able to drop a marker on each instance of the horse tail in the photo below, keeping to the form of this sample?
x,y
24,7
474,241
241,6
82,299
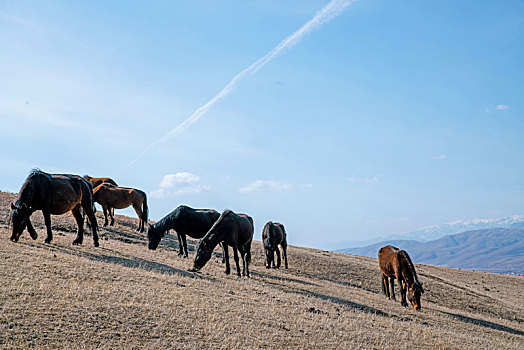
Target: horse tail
x,y
382,284
145,209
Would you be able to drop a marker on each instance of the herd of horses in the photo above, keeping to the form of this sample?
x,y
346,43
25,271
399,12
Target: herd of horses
x,y
56,194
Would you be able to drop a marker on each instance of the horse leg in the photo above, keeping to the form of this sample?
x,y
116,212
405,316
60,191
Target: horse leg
x,y
226,258
248,258
278,257
31,229
89,208
80,223
235,255
224,247
111,212
47,221
392,287
243,255
105,208
180,248
402,287
184,244
284,253
139,213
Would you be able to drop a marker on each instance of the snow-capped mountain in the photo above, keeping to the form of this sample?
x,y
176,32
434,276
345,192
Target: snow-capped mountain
x,y
435,232
430,233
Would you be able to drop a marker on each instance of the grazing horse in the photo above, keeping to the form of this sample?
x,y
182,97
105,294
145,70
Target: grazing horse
x,y
109,196
185,221
235,230
396,263
273,235
53,194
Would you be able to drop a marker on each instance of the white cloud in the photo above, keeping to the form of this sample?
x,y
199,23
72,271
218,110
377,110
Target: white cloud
x,y
179,184
260,186
365,180
502,107
439,157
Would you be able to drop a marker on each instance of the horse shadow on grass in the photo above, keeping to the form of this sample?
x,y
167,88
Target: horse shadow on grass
x,y
280,278
484,323
123,260
332,299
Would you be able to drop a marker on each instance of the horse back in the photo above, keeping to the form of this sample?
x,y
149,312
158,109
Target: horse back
x,y
193,222
388,259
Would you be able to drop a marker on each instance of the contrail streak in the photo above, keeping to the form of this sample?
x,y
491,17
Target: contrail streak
x,y
326,14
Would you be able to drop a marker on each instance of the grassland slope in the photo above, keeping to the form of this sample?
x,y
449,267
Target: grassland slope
x,y
121,295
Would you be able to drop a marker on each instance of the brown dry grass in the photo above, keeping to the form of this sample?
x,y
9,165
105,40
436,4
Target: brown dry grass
x,y
121,295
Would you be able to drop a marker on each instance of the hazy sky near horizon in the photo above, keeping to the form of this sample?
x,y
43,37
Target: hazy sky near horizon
x,y
389,117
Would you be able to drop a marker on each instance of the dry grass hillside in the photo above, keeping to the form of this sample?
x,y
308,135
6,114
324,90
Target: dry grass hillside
x,y
121,295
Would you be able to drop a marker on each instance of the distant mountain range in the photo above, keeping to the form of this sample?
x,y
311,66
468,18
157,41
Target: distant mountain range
x,y
430,233
497,249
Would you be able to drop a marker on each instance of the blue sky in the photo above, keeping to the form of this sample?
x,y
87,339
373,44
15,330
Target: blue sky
x,y
391,116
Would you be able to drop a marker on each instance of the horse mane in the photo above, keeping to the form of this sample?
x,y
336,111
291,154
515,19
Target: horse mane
x,y
220,219
410,265
35,171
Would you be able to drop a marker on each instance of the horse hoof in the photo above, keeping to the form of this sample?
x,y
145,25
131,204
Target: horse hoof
x,y
227,272
34,237
77,242
47,241
96,244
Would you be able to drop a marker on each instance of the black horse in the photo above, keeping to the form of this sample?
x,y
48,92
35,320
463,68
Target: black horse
x,y
235,230
273,235
185,221
54,194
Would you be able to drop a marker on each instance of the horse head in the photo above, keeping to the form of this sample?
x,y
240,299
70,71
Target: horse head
x,y
203,254
414,293
154,235
19,218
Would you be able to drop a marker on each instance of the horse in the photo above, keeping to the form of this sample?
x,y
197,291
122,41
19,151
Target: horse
x,y
53,194
95,181
274,234
395,263
110,196
235,230
185,221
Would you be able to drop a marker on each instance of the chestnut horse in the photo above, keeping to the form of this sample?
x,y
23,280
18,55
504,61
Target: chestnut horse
x,y
109,197
95,181
396,263
185,221
235,230
273,235
53,194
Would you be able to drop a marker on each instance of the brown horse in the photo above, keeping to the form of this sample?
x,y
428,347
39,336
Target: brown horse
x,y
96,181
273,235
396,263
109,196
53,194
